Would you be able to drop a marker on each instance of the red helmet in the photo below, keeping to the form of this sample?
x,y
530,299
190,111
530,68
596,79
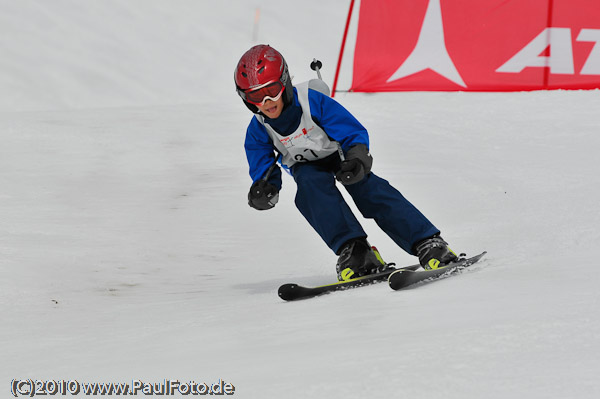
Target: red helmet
x,y
258,67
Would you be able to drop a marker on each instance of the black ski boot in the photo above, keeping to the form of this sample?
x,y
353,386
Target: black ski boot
x,y
357,259
434,253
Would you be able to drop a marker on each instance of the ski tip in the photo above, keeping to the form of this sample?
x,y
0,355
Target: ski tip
x,y
395,281
286,291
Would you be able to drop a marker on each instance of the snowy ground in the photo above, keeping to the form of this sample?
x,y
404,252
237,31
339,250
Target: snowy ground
x,y
128,252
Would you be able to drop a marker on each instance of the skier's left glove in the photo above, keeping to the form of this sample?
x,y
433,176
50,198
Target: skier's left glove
x,y
263,195
356,166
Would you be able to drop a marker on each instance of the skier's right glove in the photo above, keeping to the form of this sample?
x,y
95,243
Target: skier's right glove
x,y
356,166
263,195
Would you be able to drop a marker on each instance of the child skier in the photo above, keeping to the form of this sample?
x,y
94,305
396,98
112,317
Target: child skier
x,y
319,141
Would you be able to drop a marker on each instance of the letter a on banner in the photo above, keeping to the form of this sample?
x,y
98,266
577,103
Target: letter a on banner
x,y
560,60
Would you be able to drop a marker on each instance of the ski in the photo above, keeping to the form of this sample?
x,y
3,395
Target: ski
x,y
292,292
400,279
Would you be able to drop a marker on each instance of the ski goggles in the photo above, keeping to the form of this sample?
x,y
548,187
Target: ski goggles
x,y
269,91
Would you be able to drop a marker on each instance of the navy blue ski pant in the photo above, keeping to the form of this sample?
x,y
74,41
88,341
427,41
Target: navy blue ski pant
x,y
323,206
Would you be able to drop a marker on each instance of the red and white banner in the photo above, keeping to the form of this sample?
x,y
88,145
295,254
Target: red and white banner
x,y
477,45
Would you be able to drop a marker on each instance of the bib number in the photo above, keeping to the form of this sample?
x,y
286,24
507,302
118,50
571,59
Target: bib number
x,y
301,158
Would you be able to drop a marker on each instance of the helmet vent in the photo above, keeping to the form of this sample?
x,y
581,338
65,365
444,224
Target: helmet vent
x,y
261,70
244,74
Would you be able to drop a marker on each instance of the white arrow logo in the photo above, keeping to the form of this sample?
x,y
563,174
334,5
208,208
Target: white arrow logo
x,y
430,51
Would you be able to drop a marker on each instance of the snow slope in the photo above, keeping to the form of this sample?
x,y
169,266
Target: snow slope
x,y
128,252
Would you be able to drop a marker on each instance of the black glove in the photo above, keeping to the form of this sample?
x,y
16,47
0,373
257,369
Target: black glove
x,y
263,195
356,166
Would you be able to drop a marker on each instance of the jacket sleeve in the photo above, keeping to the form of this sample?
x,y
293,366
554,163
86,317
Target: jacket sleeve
x,y
337,121
260,153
